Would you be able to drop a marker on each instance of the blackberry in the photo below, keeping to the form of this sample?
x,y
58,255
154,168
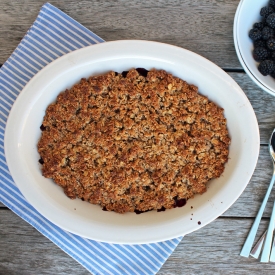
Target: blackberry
x,y
272,56
267,33
270,20
266,67
259,25
260,53
270,43
265,11
259,43
272,3
255,34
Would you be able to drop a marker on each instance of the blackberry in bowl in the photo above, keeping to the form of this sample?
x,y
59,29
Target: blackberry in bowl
x,y
256,34
266,67
266,11
260,53
270,20
264,31
254,40
270,43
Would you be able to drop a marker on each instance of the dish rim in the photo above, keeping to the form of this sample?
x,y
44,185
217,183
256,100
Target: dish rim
x,y
171,47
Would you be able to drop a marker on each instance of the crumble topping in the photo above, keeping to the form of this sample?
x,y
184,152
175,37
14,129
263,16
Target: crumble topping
x,y
133,142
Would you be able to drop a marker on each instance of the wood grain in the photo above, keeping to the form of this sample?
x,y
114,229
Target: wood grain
x,y
25,251
205,27
214,249
250,201
262,103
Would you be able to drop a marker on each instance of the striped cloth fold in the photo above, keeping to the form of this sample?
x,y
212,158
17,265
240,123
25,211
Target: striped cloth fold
x,y
52,35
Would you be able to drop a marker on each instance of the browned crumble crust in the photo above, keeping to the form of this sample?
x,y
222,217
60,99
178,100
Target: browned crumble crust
x,y
133,143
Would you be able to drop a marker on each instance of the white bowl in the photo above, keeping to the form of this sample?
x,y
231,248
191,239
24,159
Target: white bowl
x,y
247,14
84,219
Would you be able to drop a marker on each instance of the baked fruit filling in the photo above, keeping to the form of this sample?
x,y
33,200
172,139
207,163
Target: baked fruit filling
x,y
133,142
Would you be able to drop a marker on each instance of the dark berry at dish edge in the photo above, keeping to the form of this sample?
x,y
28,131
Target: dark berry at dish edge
x,y
124,73
260,53
161,209
42,127
180,202
142,72
41,161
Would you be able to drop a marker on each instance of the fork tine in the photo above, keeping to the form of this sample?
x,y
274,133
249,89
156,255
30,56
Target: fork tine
x,y
272,255
253,231
256,251
268,239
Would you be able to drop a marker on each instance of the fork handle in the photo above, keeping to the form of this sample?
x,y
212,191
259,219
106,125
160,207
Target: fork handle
x,y
268,239
253,231
272,255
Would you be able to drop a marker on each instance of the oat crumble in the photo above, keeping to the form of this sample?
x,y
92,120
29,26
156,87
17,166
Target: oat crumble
x,y
133,142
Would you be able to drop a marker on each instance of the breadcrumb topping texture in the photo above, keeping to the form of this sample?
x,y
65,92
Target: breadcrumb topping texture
x,y
133,142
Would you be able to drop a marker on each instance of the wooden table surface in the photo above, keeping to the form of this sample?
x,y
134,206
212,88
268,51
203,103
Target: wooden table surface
x,y
204,27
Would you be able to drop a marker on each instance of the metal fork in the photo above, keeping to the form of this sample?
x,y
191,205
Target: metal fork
x,y
256,251
268,239
253,231
272,255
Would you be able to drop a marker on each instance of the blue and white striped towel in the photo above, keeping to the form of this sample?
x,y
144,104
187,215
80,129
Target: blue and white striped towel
x,y
52,35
